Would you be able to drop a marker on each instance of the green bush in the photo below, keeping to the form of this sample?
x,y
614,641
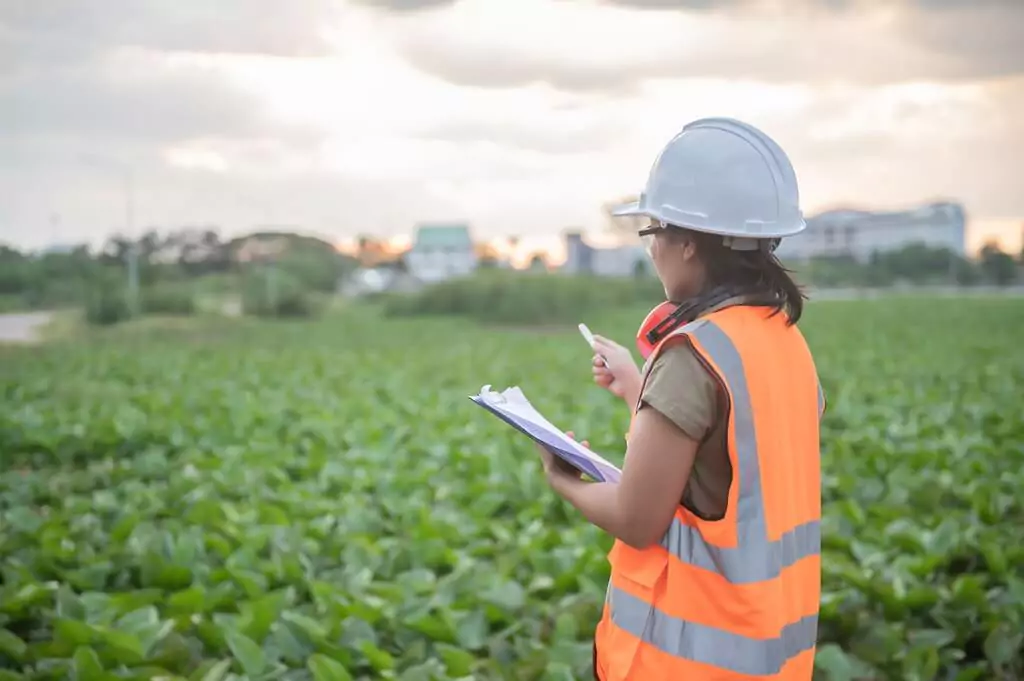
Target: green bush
x,y
276,293
168,299
106,302
525,298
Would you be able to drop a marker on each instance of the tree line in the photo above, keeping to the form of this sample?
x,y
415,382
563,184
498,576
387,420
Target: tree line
x,y
64,277
176,264
917,264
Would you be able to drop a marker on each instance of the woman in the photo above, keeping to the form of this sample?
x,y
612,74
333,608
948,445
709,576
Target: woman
x,y
715,569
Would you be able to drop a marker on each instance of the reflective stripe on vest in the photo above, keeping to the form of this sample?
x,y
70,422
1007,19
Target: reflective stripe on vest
x,y
755,558
711,646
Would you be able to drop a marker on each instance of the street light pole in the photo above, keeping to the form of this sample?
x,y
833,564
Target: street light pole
x,y
133,250
129,217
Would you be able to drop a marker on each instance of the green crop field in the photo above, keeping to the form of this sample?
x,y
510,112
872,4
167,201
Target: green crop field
x,y
320,500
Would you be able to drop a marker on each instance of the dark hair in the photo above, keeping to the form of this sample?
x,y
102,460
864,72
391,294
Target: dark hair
x,y
758,272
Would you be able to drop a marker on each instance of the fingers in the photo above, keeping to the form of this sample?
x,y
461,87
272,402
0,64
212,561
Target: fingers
x,y
572,436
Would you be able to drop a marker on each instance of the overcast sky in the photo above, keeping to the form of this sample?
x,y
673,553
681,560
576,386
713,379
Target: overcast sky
x,y
521,117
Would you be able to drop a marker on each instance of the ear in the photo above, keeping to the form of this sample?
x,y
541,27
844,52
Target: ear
x,y
688,249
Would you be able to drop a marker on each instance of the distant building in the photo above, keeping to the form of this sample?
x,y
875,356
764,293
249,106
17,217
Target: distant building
x,y
258,248
378,279
440,252
618,261
858,233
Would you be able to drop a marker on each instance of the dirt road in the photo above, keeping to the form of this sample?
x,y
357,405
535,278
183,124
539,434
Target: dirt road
x,y
23,327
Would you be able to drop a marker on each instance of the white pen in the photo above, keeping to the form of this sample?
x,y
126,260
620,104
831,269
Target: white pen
x,y
589,337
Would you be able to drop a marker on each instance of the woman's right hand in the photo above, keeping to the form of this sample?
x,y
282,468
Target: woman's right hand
x,y
617,372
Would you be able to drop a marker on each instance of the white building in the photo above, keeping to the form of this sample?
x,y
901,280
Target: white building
x,y
858,233
440,252
618,261
369,280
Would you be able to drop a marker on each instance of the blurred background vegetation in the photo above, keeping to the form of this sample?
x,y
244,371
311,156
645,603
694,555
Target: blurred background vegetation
x,y
289,275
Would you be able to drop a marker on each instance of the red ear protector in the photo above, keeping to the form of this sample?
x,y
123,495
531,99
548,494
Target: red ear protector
x,y
669,316
655,319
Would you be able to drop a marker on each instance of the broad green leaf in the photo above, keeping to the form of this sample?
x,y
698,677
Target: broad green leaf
x,y
215,672
931,638
472,630
247,653
25,596
12,646
260,614
68,605
558,671
835,664
921,664
324,668
74,633
566,628
128,648
458,662
309,625
87,665
1003,645
509,595
190,600
138,620
379,659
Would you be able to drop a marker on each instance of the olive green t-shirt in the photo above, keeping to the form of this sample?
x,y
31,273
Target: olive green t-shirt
x,y
682,389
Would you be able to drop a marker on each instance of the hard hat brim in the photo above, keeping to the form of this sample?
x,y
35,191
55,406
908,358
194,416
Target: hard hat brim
x,y
627,209
634,209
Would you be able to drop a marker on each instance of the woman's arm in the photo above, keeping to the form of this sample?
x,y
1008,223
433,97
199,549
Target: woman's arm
x,y
639,508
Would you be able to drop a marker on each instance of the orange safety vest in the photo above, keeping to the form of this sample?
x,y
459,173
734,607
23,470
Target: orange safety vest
x,y
735,598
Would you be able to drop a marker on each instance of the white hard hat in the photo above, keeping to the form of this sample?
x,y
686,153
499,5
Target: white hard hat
x,y
723,176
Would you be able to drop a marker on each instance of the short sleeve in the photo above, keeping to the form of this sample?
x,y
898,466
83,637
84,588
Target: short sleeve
x,y
680,388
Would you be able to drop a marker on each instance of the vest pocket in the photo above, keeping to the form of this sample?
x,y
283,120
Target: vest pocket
x,y
636,577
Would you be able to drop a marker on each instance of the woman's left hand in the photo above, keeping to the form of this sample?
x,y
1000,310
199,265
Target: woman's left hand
x,y
555,467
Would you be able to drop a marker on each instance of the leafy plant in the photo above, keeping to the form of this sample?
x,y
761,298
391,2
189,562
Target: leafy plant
x,y
320,501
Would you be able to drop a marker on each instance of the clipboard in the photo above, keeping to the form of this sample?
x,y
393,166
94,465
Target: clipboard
x,y
512,407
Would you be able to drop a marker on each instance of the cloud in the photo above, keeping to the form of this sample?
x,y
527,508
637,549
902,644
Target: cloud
x,y
134,96
904,144
88,87
406,5
688,5
62,30
587,48
981,39
478,63
544,131
225,118
89,202
90,74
